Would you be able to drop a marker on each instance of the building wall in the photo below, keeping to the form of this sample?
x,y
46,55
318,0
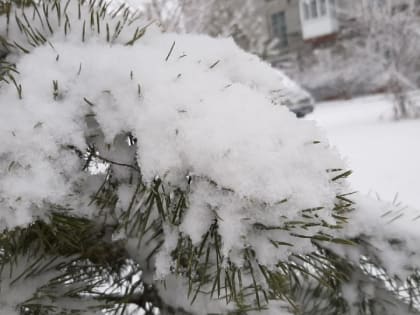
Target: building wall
x,y
290,7
293,25
291,10
297,47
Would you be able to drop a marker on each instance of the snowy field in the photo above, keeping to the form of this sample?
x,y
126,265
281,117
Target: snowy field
x,y
384,154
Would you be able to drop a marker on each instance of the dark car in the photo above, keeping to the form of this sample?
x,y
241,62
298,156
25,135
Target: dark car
x,y
296,98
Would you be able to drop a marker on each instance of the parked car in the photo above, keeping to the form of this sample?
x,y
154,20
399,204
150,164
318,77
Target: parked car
x,y
296,98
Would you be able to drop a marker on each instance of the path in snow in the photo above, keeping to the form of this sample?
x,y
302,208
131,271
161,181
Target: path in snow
x,y
384,154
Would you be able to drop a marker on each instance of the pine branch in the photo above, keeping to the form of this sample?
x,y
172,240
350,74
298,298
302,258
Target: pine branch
x,y
149,295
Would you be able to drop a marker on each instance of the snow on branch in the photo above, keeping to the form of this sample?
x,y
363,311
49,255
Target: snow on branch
x,y
173,146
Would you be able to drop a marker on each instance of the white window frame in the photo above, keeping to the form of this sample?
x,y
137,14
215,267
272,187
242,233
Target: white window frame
x,y
315,9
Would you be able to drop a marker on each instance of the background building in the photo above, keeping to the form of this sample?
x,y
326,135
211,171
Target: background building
x,y
299,26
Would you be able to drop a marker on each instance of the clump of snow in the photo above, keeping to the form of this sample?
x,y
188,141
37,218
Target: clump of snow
x,y
198,107
202,109
391,230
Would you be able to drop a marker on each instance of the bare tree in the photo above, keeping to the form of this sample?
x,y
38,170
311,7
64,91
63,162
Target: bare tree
x,y
377,50
387,34
391,31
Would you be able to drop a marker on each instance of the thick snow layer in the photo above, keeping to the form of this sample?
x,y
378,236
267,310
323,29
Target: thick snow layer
x,y
391,231
204,111
384,154
199,108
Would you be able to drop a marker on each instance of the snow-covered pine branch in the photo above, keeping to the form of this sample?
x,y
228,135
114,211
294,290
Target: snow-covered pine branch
x,y
141,170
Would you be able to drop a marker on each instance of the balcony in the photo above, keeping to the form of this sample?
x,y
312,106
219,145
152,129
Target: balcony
x,y
318,18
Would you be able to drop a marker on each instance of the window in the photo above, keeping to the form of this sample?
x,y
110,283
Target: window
x,y
306,13
314,9
278,23
332,8
323,7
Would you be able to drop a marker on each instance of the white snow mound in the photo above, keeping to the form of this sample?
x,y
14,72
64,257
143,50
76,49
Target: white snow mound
x,y
197,106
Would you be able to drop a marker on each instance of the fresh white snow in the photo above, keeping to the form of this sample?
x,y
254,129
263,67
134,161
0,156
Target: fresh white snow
x,y
203,109
384,154
200,108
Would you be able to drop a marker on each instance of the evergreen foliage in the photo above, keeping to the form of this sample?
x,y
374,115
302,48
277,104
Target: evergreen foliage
x,y
65,263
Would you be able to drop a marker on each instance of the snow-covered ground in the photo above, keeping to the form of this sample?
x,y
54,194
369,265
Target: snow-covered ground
x,y
384,154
